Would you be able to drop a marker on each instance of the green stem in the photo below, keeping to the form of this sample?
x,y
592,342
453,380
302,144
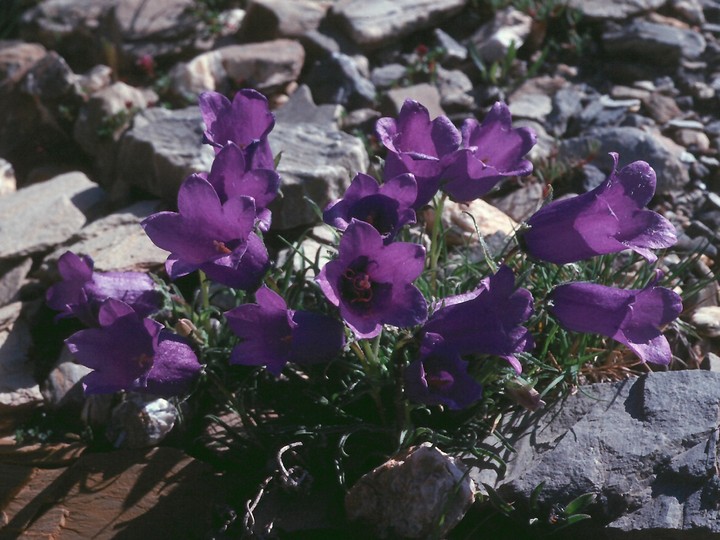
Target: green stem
x,y
205,303
435,247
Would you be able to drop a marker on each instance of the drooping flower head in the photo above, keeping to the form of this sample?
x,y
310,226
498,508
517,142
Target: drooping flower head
x,y
609,219
371,282
211,236
387,207
633,317
273,335
418,146
128,352
487,320
246,121
439,376
491,151
231,178
82,290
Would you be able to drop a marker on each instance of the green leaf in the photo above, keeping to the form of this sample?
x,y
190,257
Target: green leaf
x,y
497,501
579,503
534,496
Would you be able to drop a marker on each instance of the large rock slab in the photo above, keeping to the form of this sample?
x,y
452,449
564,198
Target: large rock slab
x,y
318,162
116,242
161,150
41,216
647,447
373,24
271,19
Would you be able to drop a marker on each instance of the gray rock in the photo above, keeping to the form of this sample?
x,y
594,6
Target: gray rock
x,y
373,24
264,66
566,105
337,79
160,151
453,51
388,75
493,40
455,90
70,27
614,9
116,243
272,19
108,114
41,216
409,494
8,183
16,58
63,388
425,93
689,10
632,144
301,108
12,277
19,392
534,98
318,162
650,41
645,446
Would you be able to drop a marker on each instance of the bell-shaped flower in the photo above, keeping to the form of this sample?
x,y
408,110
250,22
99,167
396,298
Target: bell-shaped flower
x,y
487,320
272,335
82,290
418,146
609,219
231,178
491,151
246,121
128,352
386,207
371,283
440,377
632,317
211,236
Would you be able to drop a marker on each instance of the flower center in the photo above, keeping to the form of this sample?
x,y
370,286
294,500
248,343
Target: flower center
x,y
357,285
145,361
220,247
439,381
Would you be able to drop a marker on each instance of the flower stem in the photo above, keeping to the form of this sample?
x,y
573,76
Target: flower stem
x,y
435,244
205,303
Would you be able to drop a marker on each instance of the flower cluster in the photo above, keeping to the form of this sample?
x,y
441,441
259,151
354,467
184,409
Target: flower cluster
x,y
382,287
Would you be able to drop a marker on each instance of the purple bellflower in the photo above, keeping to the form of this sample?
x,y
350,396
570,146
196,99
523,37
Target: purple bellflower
x,y
128,352
491,151
211,236
439,376
386,207
419,146
487,320
632,317
231,179
82,290
608,219
273,335
246,121
371,283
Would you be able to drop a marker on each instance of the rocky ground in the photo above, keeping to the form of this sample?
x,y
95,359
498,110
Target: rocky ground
x,y
99,128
